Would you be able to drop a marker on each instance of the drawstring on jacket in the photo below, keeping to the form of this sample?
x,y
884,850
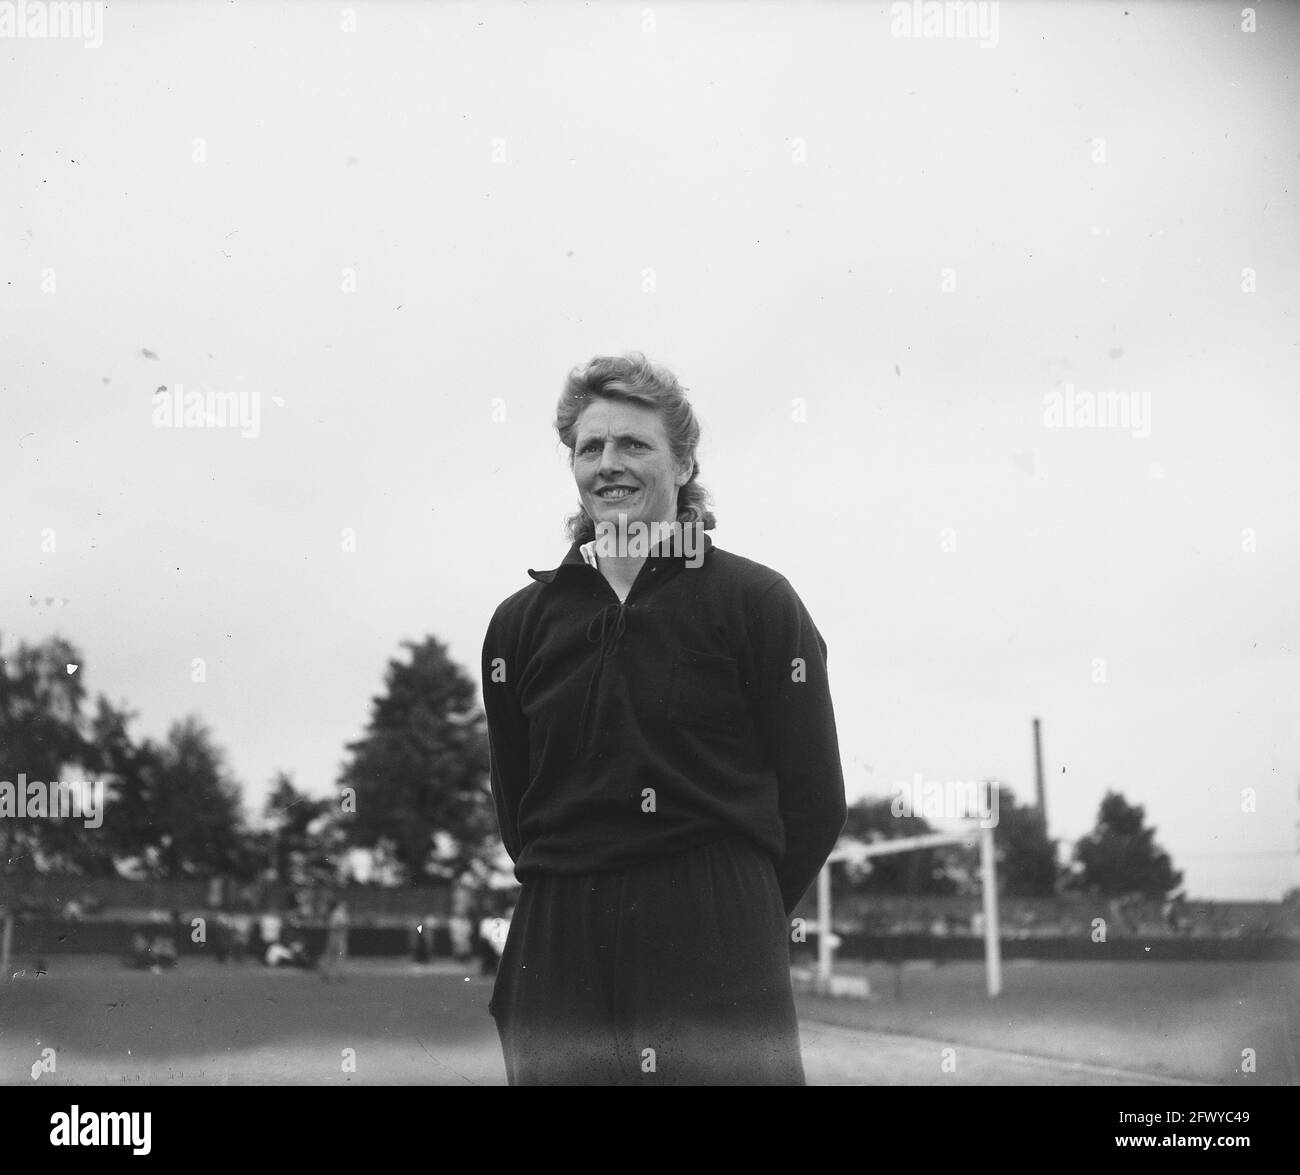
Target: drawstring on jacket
x,y
612,621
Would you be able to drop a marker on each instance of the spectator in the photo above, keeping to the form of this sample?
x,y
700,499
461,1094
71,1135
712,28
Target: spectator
x,y
491,940
221,936
432,924
241,926
164,952
141,955
269,926
336,940
461,926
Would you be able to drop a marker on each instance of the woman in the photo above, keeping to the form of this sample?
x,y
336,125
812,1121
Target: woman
x,y
665,769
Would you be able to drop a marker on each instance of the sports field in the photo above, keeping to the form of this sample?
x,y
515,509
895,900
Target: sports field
x,y
399,1023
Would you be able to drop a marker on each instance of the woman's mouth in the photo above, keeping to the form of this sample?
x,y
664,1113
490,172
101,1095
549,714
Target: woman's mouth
x,y
615,493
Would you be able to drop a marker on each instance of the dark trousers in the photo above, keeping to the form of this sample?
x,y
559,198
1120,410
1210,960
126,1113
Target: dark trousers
x,y
674,972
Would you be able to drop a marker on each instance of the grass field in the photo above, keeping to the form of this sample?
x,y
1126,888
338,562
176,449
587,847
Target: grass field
x,y
1055,1024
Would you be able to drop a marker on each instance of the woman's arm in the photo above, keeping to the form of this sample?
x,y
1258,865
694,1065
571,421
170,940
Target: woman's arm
x,y
796,720
507,736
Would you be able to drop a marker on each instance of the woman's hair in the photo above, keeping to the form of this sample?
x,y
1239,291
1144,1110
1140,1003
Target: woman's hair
x,y
633,378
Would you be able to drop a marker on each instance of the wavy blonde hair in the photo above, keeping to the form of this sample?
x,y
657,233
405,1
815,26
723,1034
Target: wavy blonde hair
x,y
632,377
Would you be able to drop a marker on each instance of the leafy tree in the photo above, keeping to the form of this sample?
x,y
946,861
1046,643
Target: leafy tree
x,y
304,842
1120,857
923,872
172,806
420,771
1026,857
194,825
126,767
40,736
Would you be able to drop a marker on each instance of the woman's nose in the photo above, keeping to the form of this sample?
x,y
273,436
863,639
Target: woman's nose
x,y
610,461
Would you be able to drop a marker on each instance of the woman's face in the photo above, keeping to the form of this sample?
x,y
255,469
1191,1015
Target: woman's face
x,y
623,465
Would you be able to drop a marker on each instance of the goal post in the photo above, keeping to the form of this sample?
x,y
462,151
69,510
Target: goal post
x,y
858,851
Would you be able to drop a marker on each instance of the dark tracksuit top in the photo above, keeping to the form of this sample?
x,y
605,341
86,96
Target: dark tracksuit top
x,y
699,708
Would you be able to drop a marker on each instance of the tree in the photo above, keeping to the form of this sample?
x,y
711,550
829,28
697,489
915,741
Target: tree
x,y
1026,857
421,768
126,767
193,824
40,736
302,847
923,872
1120,857
172,809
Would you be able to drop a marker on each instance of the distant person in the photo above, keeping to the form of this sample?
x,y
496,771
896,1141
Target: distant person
x,y
241,928
164,952
269,926
461,926
421,935
336,941
291,951
221,936
492,931
167,946
432,925
141,954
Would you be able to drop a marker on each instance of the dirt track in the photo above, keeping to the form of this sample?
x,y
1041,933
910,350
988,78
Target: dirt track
x,y
211,1025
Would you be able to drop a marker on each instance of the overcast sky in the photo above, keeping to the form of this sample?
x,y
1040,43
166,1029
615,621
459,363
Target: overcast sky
x,y
872,259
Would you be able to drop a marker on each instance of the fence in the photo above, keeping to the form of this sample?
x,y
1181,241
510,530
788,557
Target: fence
x,y
57,896
1069,916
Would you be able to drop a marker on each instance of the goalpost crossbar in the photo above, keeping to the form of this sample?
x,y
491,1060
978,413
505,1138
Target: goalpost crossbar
x,y
860,852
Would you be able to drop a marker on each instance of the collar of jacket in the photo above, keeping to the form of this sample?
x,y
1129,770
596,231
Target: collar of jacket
x,y
574,559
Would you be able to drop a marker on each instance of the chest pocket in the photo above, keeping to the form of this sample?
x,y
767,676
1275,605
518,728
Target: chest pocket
x,y
706,692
